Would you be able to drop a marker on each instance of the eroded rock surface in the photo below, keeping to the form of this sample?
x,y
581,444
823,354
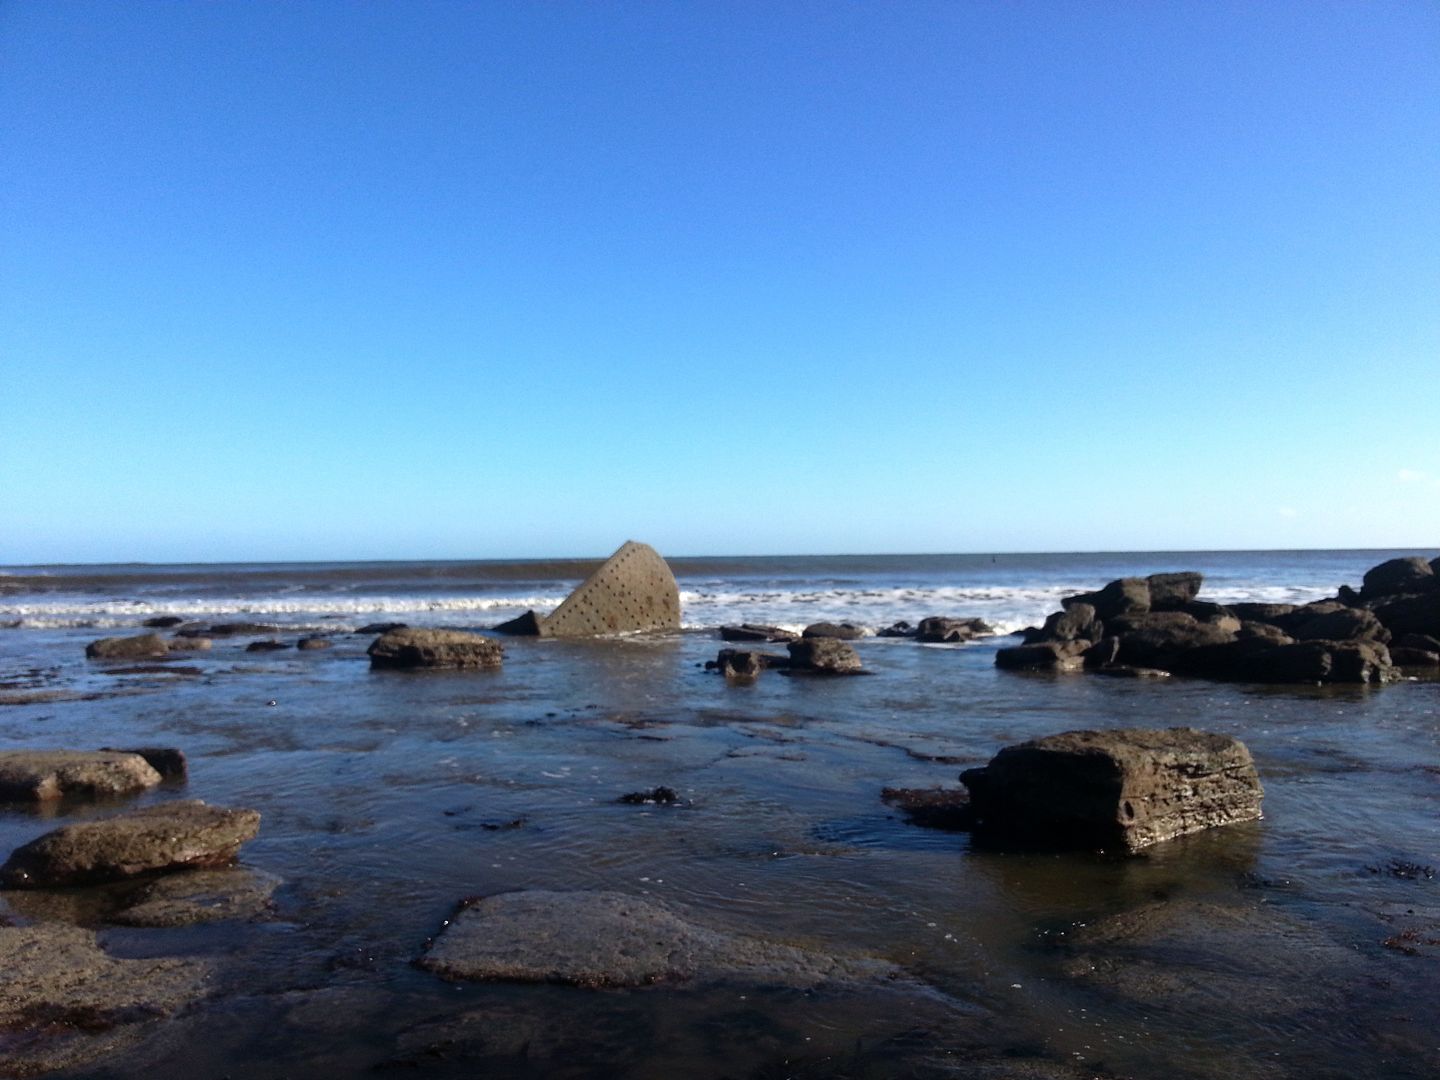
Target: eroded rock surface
x,y
170,836
40,775
200,896
65,1002
599,939
411,648
1120,790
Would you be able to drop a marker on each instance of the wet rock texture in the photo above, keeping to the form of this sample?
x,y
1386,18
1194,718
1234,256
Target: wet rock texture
x,y
127,648
824,656
65,1002
1116,790
445,649
170,836
200,896
608,939
40,775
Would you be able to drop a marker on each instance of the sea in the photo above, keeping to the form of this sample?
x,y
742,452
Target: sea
x,y
1306,944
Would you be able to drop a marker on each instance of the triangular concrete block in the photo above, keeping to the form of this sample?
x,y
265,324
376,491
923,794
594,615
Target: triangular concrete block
x,y
633,590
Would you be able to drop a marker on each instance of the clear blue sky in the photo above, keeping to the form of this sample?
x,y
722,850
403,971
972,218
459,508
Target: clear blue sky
x,y
373,280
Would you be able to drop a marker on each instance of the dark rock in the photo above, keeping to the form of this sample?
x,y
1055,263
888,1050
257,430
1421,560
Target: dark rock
x,y
127,648
1321,662
754,632
740,661
310,644
662,796
1265,632
1043,655
1402,656
937,629
1417,614
1103,653
633,590
1152,620
1361,662
1161,646
606,939
435,649
1224,659
169,762
932,808
1348,596
1265,613
1168,592
1346,624
1125,671
190,644
192,897
170,836
1410,575
40,775
1122,790
1120,597
526,625
838,631
163,622
1076,621
383,627
234,629
266,646
1424,642
824,655
901,629
1205,611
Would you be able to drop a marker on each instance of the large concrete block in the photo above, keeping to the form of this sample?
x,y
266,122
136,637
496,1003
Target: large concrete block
x,y
633,590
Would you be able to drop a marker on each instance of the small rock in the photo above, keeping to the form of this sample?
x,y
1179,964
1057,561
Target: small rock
x,y
40,775
756,632
435,649
169,762
932,808
234,629
897,629
839,631
163,622
266,646
824,655
937,629
192,897
127,648
308,644
381,627
190,644
662,796
1044,656
170,836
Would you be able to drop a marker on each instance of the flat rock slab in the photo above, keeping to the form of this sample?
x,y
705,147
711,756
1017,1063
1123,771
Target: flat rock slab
x,y
41,775
128,648
1120,790
633,590
65,1002
444,649
200,896
598,939
171,836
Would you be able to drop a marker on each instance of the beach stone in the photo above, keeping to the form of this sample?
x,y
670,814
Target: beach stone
x,y
192,897
190,644
901,629
633,590
169,762
170,836
266,646
127,648
756,632
609,939
435,649
232,629
741,663
1169,592
163,622
526,625
838,631
938,629
932,808
1409,575
1117,598
735,658
65,1003
1122,790
1264,613
308,644
1044,656
825,655
40,775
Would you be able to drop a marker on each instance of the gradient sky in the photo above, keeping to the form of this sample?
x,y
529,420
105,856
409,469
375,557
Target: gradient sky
x,y
389,280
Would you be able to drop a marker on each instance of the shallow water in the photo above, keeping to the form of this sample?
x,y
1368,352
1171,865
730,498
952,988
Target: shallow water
x,y
1253,951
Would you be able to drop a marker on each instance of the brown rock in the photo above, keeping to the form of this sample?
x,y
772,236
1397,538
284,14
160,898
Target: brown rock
x,y
1069,624
1044,656
824,655
756,632
1122,790
307,644
411,648
170,836
1168,592
937,629
839,631
127,648
1117,598
38,775
1394,576
169,762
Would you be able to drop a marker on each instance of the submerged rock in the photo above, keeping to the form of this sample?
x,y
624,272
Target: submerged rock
x,y
609,939
200,896
170,836
307,644
169,762
64,1002
127,648
663,796
380,628
1122,790
435,649
39,775
266,646
933,808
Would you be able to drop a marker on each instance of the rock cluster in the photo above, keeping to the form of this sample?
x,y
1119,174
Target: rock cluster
x,y
1116,790
1157,624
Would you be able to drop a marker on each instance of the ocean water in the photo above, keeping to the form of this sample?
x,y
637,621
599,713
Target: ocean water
x,y
1254,951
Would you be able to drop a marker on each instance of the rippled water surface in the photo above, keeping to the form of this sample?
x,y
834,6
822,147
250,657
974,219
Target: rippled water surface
x,y
387,798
